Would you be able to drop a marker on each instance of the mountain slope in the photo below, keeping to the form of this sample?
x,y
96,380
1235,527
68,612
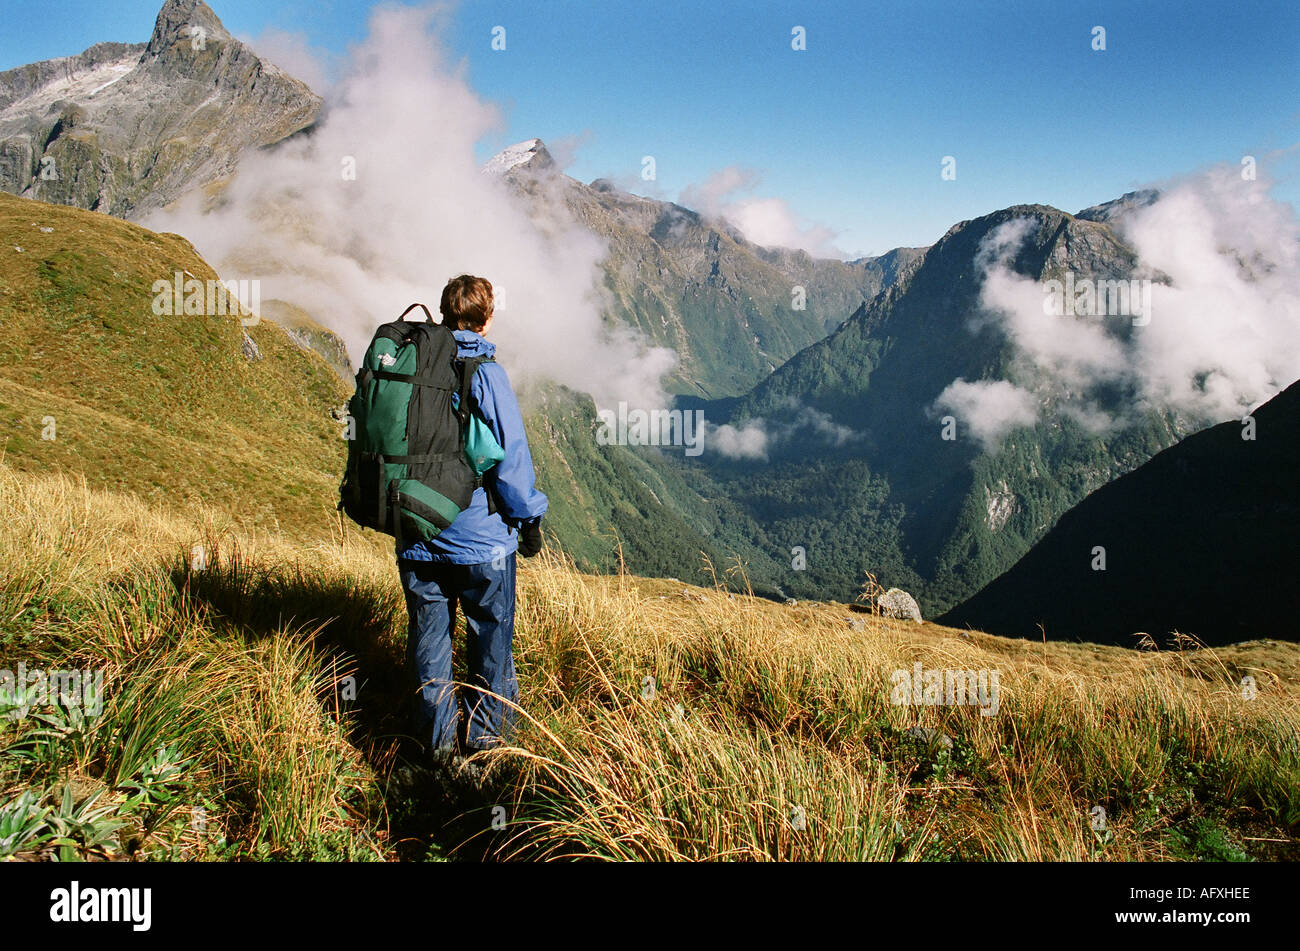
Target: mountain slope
x,y
127,128
968,511
199,409
732,310
192,408
1202,539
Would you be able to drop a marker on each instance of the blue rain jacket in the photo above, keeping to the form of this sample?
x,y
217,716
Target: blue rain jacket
x,y
478,536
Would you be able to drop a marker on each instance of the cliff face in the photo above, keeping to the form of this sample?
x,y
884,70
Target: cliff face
x,y
127,128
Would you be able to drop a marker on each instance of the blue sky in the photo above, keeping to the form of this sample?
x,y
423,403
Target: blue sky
x,y
849,133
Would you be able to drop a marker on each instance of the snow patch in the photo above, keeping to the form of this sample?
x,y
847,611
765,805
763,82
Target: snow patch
x,y
518,154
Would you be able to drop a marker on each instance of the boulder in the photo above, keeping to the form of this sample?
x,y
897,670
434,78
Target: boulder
x,y
897,603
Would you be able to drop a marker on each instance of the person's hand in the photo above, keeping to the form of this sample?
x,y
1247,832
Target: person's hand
x,y
530,538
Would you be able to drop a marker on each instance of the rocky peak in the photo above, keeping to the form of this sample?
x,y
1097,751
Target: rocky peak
x,y
125,129
527,156
178,20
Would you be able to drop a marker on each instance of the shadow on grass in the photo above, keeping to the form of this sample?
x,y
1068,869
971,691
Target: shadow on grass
x,y
359,629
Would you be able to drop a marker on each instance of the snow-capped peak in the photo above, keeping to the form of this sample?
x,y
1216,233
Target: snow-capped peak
x,y
531,153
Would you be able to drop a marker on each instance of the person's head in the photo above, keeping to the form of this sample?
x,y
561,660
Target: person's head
x,y
467,303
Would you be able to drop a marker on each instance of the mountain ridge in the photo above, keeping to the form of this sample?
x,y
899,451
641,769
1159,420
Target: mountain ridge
x,y
967,513
732,310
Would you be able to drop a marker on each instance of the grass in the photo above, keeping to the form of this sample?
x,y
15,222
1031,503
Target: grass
x,y
92,381
254,707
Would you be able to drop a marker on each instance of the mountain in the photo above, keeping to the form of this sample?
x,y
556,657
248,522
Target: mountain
x,y
1117,208
733,311
1202,539
167,485
127,128
834,369
860,405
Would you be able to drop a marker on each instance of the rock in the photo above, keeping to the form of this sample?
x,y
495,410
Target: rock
x,y
250,349
897,603
791,603
856,623
530,155
931,737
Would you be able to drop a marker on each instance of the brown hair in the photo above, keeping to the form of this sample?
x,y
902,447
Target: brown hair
x,y
466,302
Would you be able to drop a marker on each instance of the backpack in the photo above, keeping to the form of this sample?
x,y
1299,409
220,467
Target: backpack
x,y
417,449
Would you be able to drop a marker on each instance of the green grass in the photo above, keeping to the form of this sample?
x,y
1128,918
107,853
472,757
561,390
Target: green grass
x,y
159,406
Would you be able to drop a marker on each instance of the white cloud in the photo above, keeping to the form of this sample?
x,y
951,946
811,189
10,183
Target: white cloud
x,y
748,441
1224,328
769,222
989,408
354,253
755,437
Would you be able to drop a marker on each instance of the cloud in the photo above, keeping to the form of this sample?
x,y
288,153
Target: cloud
x,y
748,441
769,222
354,249
291,53
989,408
1075,353
756,437
564,150
1223,334
820,424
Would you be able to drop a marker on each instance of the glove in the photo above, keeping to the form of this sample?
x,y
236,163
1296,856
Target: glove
x,y
530,538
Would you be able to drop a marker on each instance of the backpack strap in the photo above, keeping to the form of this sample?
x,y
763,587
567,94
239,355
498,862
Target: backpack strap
x,y
468,367
413,378
425,457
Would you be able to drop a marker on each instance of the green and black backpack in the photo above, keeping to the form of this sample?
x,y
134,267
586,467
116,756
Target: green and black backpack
x,y
416,450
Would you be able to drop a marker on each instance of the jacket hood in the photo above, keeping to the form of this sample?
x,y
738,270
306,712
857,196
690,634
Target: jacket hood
x,y
472,345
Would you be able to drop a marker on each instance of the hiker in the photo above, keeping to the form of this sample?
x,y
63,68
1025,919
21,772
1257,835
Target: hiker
x,y
472,562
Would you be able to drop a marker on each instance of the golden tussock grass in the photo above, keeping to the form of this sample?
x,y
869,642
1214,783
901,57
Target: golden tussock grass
x,y
658,720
